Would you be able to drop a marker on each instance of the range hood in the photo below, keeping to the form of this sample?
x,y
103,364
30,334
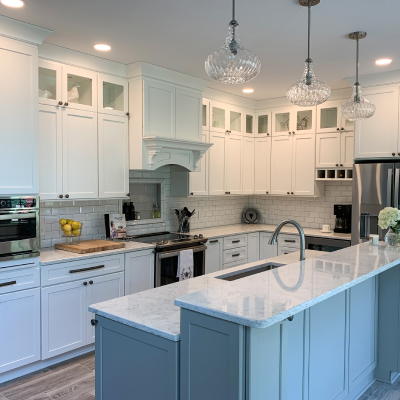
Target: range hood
x,y
159,151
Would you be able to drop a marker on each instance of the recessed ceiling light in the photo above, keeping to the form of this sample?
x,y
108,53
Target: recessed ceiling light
x,y
383,61
101,47
248,90
13,3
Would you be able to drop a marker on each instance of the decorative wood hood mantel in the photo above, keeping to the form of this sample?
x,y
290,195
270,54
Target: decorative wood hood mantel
x,y
160,151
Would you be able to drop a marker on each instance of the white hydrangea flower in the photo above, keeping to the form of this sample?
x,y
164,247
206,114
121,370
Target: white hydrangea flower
x,y
389,217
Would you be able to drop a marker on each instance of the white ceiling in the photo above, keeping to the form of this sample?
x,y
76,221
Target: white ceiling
x,y
180,34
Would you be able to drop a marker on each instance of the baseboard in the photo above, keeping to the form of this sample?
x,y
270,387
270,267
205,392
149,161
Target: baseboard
x,y
393,377
38,365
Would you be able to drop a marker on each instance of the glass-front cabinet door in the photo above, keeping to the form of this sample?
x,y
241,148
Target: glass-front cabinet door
x,y
283,121
249,124
236,120
79,88
329,117
113,95
205,117
49,83
263,124
304,120
220,118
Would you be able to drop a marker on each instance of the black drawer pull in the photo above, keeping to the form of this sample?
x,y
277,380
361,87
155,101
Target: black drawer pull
x,y
290,241
235,241
236,255
74,271
213,241
8,283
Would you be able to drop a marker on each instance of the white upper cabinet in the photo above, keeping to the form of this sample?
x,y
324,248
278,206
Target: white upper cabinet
x,y
159,109
50,152
249,124
281,165
113,156
282,121
80,167
19,118
50,83
236,119
303,165
188,115
329,118
263,124
217,160
79,88
234,163
219,117
248,166
346,149
262,165
198,181
335,149
205,115
113,95
378,136
304,120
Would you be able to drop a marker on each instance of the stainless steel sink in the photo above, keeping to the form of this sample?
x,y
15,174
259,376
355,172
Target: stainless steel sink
x,y
233,276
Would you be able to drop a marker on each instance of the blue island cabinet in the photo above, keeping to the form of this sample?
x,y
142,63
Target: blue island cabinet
x,y
134,365
326,352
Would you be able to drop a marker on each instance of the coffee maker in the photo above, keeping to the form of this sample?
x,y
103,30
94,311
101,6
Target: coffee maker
x,y
343,218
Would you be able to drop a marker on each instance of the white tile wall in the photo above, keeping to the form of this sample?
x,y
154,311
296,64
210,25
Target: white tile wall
x,y
210,211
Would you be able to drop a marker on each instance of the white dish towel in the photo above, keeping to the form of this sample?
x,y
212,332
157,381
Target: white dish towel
x,y
185,265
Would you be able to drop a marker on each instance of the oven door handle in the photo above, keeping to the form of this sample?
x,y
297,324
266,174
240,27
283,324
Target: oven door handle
x,y
10,216
174,253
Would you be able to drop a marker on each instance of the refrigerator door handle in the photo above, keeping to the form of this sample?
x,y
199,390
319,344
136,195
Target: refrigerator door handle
x,y
396,189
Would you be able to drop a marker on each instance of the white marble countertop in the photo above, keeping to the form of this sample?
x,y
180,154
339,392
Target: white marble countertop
x,y
269,297
219,231
154,310
55,256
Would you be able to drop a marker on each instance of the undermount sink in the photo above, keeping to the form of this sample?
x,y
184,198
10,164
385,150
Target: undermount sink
x,y
233,276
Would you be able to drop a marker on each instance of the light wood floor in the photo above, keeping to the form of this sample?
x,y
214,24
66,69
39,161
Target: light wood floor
x,y
74,380
71,380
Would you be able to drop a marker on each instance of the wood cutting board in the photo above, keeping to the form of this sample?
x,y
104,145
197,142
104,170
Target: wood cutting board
x,y
89,246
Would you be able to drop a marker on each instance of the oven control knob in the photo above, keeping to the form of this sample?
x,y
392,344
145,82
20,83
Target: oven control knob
x,y
2,203
195,237
201,236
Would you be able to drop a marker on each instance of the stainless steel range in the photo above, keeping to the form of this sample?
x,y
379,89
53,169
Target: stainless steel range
x,y
167,251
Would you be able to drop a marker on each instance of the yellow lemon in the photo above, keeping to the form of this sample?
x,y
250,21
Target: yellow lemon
x,y
67,228
80,225
69,221
62,221
76,232
75,225
68,233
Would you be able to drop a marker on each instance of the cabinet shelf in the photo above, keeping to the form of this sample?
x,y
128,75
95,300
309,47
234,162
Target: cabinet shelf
x,y
334,174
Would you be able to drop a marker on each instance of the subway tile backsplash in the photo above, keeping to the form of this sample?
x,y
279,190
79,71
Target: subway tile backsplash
x,y
210,211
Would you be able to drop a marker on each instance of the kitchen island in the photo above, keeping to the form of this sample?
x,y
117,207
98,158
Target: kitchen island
x,y
304,330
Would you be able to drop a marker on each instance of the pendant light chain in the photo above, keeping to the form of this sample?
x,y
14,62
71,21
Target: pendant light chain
x,y
357,99
309,61
233,44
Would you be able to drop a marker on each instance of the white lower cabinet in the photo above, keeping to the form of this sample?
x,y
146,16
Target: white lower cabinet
x,y
65,316
262,165
253,247
139,271
267,250
19,328
214,254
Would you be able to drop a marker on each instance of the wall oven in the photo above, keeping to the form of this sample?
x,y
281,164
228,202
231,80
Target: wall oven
x,y
19,227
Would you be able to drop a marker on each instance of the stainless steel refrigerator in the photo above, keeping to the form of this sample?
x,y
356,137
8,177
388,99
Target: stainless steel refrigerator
x,y
375,186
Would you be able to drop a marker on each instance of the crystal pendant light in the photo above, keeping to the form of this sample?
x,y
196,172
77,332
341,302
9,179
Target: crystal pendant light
x,y
358,107
232,64
308,91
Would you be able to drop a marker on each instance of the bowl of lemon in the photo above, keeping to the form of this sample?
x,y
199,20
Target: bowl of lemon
x,y
70,229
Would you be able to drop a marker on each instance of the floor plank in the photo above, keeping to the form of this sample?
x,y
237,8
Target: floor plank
x,y
74,388
88,362
56,379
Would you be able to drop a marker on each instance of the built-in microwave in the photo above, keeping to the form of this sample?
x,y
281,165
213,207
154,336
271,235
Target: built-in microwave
x,y
19,227
326,244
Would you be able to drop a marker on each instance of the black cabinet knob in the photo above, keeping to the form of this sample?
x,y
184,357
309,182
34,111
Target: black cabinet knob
x,y
341,165
67,196
60,103
84,283
290,319
128,115
393,154
60,196
294,133
66,104
337,165
342,129
191,193
267,192
94,322
290,133
288,192
338,129
128,194
292,193
91,282
267,134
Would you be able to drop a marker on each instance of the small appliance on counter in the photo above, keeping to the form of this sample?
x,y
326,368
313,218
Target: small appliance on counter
x,y
343,218
128,209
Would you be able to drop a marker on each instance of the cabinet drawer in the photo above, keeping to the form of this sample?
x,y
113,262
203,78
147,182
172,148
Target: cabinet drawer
x,y
74,270
289,241
235,264
282,250
232,242
233,255
19,279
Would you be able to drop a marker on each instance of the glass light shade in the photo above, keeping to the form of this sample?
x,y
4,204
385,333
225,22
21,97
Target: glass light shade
x,y
308,91
358,107
226,67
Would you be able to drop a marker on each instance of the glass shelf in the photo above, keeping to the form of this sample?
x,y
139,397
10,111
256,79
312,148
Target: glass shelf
x,y
282,122
236,121
304,120
47,83
249,123
329,118
218,118
113,96
263,124
80,90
